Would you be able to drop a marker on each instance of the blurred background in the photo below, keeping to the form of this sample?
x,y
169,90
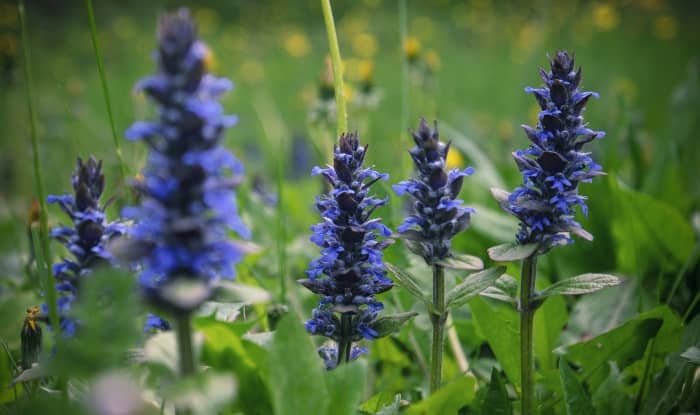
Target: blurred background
x,y
464,63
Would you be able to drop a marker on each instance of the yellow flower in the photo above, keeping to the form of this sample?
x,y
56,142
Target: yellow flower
x,y
605,17
210,63
348,91
366,71
411,48
454,159
364,45
297,44
665,27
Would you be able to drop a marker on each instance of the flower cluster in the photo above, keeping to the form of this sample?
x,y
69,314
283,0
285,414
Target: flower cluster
x,y
350,271
86,239
437,213
554,164
187,193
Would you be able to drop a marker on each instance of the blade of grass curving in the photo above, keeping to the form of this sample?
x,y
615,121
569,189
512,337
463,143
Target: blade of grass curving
x,y
337,67
45,265
105,90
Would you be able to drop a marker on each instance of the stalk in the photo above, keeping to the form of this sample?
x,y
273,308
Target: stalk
x,y
50,288
527,314
105,90
342,114
438,318
183,331
345,344
281,228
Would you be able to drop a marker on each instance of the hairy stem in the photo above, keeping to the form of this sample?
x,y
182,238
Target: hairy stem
x,y
437,317
105,91
342,114
184,344
50,288
527,314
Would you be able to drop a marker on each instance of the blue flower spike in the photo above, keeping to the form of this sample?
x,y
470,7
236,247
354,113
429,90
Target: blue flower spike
x,y
350,271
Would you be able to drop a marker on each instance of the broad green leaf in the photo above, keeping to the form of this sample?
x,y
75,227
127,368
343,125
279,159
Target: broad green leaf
x,y
448,399
463,262
500,325
378,401
203,393
239,293
647,232
512,252
296,372
663,392
577,399
692,354
392,408
611,397
388,324
408,282
580,284
225,348
226,312
496,401
604,310
345,385
550,318
472,285
504,289
623,345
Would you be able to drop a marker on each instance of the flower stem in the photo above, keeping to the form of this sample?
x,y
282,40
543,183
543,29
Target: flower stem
x,y
527,314
345,344
184,344
105,91
342,114
50,287
438,318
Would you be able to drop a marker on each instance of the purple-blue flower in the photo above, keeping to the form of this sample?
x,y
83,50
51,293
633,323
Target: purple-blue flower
x,y
437,215
350,271
86,238
554,164
188,203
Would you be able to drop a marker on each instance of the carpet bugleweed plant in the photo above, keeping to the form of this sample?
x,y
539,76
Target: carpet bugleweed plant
x,y
86,238
293,289
555,163
350,272
187,193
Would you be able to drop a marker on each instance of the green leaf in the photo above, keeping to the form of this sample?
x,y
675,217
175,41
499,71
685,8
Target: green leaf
x,y
448,399
576,397
202,393
611,397
623,345
493,223
463,262
239,293
496,401
602,311
692,355
500,325
226,312
296,373
550,318
664,390
472,285
512,252
386,325
380,400
226,348
580,284
504,289
408,282
345,386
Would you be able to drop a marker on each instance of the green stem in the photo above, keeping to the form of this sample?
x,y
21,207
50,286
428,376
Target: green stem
x,y
527,314
105,91
345,344
281,228
690,261
51,297
438,318
692,306
184,344
342,114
